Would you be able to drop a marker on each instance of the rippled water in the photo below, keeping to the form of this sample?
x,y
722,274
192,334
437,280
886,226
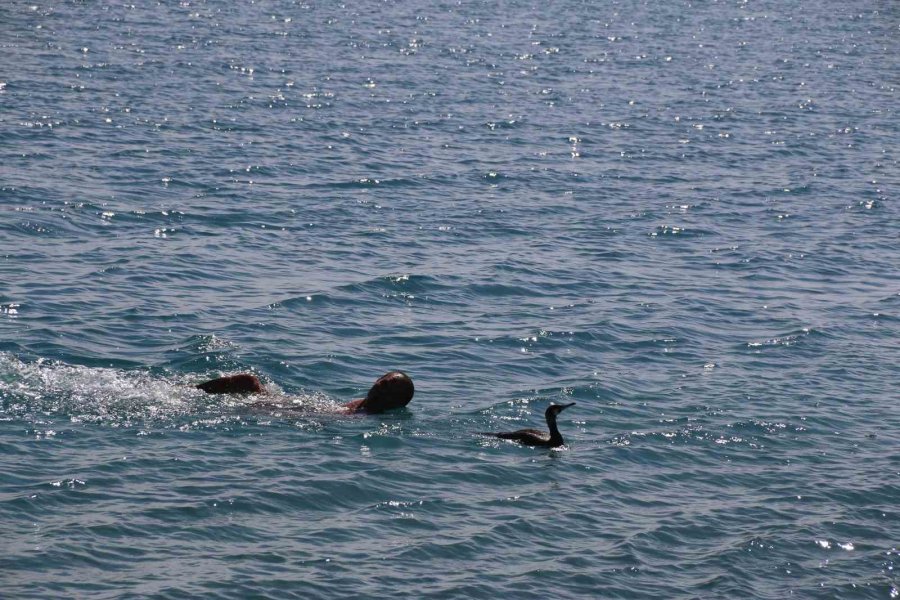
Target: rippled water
x,y
681,216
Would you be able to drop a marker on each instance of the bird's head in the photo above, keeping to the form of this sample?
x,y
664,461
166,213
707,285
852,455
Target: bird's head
x,y
555,409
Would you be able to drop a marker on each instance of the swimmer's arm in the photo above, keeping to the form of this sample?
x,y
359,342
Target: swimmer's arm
x,y
355,406
243,383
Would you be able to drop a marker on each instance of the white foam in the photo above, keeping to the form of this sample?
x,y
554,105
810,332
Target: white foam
x,y
110,395
125,398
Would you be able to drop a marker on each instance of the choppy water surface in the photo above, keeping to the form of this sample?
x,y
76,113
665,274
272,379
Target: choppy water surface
x,y
681,216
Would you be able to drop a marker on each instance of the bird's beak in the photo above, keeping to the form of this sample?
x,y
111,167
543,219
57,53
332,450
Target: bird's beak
x,y
565,406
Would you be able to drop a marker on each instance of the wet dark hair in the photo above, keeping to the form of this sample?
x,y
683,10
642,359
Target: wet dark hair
x,y
392,390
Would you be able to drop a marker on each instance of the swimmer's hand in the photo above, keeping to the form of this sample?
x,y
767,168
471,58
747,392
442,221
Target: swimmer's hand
x,y
243,383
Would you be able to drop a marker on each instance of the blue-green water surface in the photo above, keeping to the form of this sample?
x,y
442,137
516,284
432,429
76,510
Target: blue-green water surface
x,y
681,216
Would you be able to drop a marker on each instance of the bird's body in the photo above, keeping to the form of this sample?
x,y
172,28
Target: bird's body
x,y
535,437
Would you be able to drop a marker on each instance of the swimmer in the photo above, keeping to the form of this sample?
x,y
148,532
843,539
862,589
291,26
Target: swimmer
x,y
392,390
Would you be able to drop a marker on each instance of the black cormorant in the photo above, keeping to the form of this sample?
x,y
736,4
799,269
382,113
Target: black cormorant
x,y
534,437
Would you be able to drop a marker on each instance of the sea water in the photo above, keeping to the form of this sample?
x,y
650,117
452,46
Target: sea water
x,y
681,216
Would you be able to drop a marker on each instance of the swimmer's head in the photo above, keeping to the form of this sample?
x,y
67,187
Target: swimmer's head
x,y
392,390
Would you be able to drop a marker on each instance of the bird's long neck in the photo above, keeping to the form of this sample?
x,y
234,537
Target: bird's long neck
x,y
555,436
